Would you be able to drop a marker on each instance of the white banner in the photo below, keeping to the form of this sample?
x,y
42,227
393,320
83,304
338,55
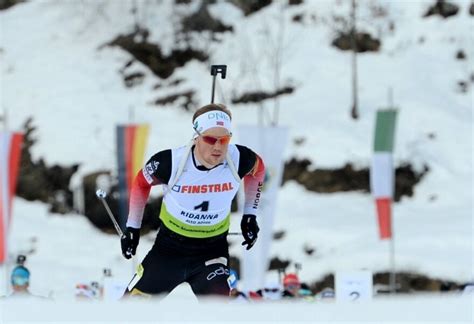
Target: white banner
x,y
382,175
269,143
354,285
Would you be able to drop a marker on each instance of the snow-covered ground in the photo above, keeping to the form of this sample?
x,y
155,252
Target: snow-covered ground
x,y
418,309
52,68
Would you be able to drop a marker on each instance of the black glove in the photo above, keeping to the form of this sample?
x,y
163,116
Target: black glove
x,y
129,242
250,229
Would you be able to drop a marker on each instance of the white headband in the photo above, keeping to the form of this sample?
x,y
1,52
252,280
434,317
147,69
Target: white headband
x,y
210,119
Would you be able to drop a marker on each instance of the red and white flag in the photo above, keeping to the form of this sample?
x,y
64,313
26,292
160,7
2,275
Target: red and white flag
x,y
10,151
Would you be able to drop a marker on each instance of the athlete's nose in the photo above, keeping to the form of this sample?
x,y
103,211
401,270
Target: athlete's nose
x,y
217,147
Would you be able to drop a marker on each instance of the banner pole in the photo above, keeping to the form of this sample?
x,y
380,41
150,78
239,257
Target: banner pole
x,y
390,97
5,118
393,287
5,273
6,264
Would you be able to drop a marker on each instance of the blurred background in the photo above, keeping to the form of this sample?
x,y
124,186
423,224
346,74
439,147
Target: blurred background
x,y
72,72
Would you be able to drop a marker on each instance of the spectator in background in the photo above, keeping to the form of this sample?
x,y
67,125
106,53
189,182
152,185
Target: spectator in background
x,y
20,280
272,291
82,292
305,292
291,285
255,295
327,294
233,280
85,292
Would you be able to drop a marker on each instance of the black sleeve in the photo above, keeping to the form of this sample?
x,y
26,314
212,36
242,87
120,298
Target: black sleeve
x,y
159,166
247,160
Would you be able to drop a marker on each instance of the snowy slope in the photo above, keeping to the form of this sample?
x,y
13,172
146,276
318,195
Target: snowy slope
x,y
54,69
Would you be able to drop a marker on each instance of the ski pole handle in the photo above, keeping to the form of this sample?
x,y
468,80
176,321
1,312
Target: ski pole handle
x,y
215,70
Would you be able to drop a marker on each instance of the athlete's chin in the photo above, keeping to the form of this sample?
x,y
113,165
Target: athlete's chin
x,y
216,158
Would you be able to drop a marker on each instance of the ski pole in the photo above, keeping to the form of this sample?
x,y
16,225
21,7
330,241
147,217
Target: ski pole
x,y
215,70
101,194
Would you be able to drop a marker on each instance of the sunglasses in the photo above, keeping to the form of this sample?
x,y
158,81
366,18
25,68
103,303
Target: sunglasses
x,y
273,290
211,140
19,281
292,286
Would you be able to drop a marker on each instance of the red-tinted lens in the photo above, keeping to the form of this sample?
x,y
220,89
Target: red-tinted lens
x,y
225,140
212,140
292,286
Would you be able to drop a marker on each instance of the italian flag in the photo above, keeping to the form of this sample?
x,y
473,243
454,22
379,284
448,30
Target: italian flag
x,y
131,144
381,172
10,151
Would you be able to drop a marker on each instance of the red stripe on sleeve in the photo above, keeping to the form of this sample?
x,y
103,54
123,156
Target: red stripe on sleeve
x,y
253,184
138,198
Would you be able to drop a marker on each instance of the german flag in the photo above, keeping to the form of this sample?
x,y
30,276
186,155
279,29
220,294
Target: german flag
x,y
131,144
